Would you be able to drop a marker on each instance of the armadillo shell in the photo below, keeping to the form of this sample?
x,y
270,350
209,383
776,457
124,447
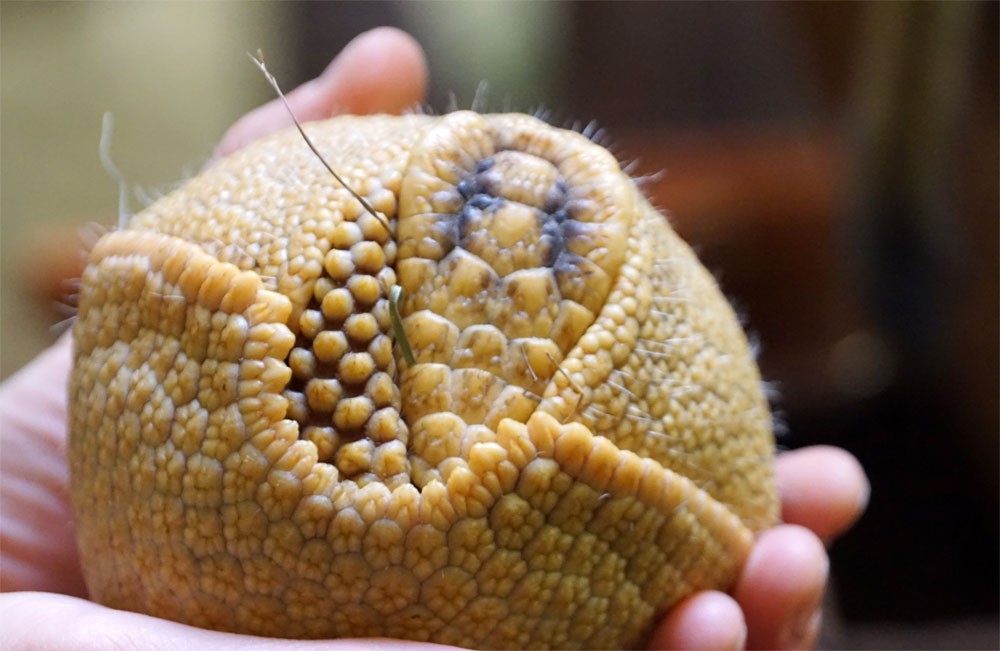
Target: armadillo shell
x,y
579,440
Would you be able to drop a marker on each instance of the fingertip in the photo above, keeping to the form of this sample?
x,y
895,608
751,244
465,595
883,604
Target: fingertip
x,y
781,588
707,620
822,488
383,70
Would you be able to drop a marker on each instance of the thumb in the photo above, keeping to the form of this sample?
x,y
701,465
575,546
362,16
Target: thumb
x,y
37,620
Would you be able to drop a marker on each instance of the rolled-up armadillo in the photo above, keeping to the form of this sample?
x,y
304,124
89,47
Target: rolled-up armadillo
x,y
552,433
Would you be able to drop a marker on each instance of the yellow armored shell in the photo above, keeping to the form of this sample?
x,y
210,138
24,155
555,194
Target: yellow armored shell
x,y
580,441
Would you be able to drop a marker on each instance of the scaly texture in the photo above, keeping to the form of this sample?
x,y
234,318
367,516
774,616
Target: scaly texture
x,y
581,442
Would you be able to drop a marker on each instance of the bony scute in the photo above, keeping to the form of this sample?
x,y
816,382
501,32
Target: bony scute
x,y
484,422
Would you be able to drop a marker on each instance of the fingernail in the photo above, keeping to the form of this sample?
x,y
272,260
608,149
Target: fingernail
x,y
804,631
741,641
803,628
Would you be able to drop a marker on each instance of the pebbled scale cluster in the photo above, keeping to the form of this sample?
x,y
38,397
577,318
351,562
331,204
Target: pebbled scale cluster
x,y
580,441
343,392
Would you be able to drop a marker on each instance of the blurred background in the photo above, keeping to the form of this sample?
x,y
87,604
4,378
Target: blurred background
x,y
835,164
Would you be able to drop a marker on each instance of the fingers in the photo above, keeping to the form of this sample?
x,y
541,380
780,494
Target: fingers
x,y
34,620
707,620
822,488
34,398
781,589
380,71
37,539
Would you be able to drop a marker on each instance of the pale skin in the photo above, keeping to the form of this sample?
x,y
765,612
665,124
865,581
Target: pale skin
x,y
775,604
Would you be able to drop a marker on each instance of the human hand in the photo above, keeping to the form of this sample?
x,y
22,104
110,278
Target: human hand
x,y
776,602
822,489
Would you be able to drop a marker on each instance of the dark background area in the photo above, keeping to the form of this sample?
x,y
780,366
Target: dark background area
x,y
835,164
